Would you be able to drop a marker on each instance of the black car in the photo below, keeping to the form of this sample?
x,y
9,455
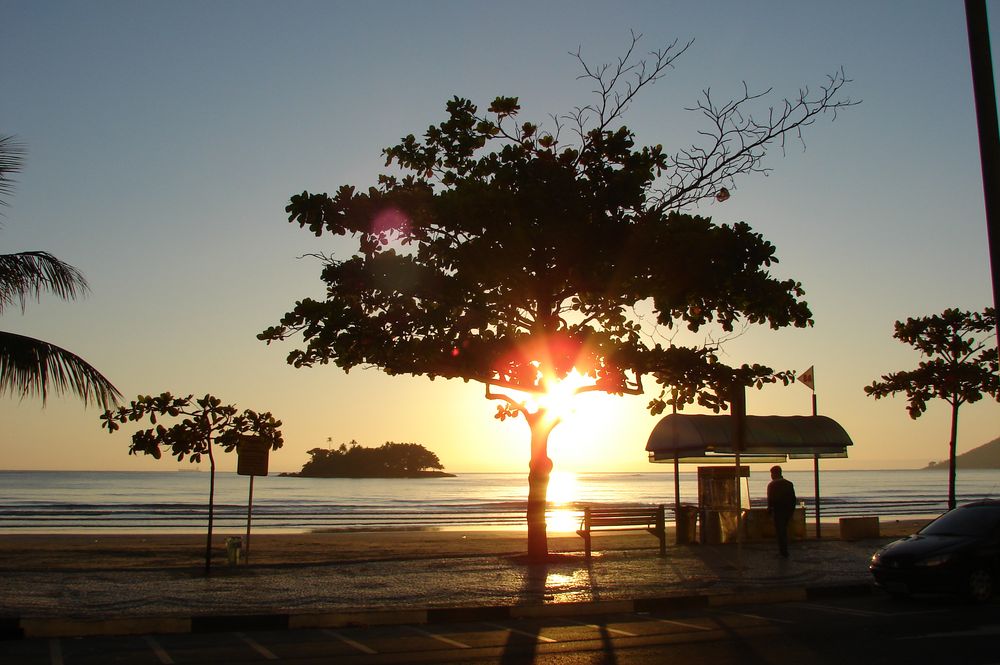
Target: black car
x,y
958,552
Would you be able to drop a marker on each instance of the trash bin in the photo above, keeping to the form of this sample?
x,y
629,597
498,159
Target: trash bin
x,y
686,522
234,550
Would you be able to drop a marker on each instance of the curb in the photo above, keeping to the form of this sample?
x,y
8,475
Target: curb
x,y
12,628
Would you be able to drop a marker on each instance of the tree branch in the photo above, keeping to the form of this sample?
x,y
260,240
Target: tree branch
x,y
738,141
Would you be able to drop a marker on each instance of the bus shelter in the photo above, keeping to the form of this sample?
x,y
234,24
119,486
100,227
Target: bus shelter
x,y
710,439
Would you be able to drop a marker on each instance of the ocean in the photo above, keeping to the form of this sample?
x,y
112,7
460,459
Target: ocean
x,y
177,502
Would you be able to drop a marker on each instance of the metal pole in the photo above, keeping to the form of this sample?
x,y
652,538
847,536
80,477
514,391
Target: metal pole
x,y
816,475
677,484
739,410
989,135
677,498
246,550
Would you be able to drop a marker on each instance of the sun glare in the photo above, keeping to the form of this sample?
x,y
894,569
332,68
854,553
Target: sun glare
x,y
562,493
562,488
559,397
562,520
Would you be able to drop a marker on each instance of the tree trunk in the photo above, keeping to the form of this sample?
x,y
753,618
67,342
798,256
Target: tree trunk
x,y
211,509
539,469
952,445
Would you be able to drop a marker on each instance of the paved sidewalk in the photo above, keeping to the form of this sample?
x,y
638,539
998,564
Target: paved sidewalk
x,y
81,602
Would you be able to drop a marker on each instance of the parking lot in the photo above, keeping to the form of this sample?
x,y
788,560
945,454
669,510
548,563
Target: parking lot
x,y
901,626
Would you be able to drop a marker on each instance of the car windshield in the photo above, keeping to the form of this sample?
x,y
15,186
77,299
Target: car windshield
x,y
965,521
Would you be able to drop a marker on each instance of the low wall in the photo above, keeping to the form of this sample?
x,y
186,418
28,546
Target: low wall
x,y
759,525
859,528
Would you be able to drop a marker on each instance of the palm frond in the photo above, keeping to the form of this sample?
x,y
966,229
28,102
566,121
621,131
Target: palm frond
x,y
32,367
26,275
11,161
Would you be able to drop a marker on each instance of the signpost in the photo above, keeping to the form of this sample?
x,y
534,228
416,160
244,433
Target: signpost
x,y
252,457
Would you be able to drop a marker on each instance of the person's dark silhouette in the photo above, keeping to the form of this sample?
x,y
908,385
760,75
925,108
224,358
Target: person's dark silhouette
x,y
781,505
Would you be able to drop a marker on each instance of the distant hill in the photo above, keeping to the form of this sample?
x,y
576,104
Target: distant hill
x,y
986,456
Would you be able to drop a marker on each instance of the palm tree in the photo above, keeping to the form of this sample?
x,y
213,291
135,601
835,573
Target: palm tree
x,y
30,366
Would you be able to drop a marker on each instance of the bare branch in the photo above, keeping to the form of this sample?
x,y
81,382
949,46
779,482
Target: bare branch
x,y
737,141
616,86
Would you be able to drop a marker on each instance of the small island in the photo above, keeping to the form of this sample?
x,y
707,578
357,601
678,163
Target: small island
x,y
390,460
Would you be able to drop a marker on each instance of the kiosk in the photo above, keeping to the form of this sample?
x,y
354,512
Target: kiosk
x,y
717,509
709,439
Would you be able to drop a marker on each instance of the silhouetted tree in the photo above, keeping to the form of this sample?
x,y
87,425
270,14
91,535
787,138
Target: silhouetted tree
x,y
511,255
961,367
206,421
30,366
410,457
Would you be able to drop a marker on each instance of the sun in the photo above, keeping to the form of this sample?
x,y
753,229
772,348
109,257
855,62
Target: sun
x,y
559,398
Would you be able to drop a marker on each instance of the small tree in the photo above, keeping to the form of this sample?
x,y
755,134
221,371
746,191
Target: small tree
x,y
205,421
539,262
961,367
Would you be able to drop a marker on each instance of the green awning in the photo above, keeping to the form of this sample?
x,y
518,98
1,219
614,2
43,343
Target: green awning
x,y
709,438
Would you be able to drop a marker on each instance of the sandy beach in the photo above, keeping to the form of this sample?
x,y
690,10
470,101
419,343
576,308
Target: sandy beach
x,y
40,552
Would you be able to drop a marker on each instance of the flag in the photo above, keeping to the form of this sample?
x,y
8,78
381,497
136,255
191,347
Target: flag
x,y
808,379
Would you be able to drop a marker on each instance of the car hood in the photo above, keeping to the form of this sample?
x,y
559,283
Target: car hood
x,y
918,547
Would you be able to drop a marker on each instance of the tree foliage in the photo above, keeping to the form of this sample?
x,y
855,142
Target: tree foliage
x,y
204,422
29,366
504,253
960,366
390,460
499,251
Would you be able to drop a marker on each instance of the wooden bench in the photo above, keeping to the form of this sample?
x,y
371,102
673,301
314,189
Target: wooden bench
x,y
624,519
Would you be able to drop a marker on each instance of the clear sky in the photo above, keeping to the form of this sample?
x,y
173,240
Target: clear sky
x,y
165,139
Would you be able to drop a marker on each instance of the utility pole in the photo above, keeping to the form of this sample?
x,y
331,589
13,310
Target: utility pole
x,y
989,135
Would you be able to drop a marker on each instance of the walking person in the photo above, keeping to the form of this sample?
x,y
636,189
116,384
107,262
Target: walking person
x,y
780,504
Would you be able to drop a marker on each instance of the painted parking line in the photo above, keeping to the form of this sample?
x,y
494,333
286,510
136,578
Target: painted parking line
x,y
540,638
681,624
975,632
160,652
55,651
616,631
439,638
850,611
257,646
363,648
759,617
865,613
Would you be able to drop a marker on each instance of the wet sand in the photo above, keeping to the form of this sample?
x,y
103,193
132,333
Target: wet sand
x,y
41,552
